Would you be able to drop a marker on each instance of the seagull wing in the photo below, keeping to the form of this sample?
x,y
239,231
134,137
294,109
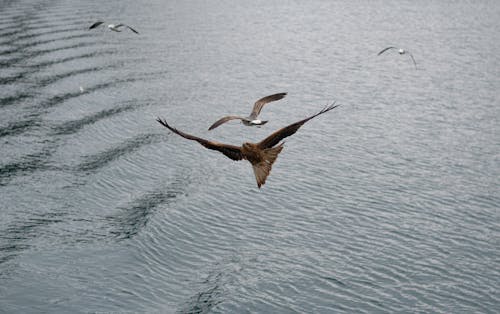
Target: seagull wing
x,y
413,59
384,50
224,120
95,24
231,151
132,29
257,107
282,133
124,25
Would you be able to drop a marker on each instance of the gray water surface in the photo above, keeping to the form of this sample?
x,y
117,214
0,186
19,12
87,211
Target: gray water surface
x,y
389,203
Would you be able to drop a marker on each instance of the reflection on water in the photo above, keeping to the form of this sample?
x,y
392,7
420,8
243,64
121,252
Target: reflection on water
x,y
133,218
73,126
387,205
93,163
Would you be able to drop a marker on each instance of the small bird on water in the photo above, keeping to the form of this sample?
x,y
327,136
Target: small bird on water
x,y
251,120
113,27
401,52
261,155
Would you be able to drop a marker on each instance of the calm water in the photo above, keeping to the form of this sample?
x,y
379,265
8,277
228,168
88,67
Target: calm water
x,y
389,203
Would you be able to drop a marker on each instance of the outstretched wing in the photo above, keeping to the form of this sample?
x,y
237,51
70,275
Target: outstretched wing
x,y
224,120
95,24
231,151
413,59
277,136
384,50
257,107
123,25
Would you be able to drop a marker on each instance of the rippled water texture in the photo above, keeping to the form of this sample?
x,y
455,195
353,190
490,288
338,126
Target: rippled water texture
x,y
389,203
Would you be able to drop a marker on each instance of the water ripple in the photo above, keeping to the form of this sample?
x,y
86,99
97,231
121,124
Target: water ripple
x,y
27,165
41,65
70,127
130,220
390,205
95,162
9,100
18,127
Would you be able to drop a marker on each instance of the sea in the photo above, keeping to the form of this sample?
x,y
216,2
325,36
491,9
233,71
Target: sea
x,y
390,203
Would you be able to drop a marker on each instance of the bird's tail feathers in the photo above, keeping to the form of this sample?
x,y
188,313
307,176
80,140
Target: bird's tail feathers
x,y
263,168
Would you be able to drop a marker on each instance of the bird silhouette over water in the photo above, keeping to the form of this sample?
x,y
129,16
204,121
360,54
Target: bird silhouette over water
x,y
261,155
401,52
252,118
113,27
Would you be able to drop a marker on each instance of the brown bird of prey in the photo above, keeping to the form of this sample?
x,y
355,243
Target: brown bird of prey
x,y
252,118
262,154
401,52
113,27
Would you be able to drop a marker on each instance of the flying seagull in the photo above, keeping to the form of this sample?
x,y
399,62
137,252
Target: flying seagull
x,y
401,52
262,154
252,118
113,27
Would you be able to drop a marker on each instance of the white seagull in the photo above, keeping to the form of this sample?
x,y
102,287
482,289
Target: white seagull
x,y
113,27
251,120
401,52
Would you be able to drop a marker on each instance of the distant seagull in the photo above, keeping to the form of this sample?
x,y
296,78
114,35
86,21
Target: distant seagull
x,y
252,118
82,89
113,27
401,52
261,155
